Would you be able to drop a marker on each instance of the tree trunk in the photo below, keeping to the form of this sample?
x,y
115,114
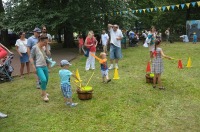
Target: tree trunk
x,y
68,38
59,36
4,38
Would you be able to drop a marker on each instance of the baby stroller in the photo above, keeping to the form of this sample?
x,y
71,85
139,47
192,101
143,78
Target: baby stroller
x,y
6,69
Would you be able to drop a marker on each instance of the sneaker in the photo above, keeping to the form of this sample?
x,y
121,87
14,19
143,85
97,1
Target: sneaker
x,y
3,115
45,98
108,80
67,103
116,66
53,63
73,104
38,85
111,67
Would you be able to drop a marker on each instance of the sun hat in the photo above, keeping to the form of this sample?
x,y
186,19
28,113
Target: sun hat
x,y
65,62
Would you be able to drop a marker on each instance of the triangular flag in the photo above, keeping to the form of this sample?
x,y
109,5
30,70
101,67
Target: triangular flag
x,y
136,11
151,9
159,8
182,5
155,8
144,10
198,3
188,5
140,10
177,6
120,13
126,12
168,7
163,8
193,3
148,10
172,6
117,13
133,11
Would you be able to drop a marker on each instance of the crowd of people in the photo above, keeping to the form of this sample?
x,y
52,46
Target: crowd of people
x,y
36,51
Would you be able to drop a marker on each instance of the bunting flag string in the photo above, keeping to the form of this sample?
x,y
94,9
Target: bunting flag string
x,y
148,10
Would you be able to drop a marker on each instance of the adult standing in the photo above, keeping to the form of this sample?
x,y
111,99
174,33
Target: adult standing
x,y
115,44
38,62
104,40
167,33
33,40
90,43
21,47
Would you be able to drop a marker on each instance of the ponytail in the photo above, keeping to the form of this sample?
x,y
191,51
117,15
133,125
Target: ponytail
x,y
157,42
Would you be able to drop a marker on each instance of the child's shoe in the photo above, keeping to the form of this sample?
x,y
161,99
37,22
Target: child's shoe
x,y
45,98
67,103
53,63
73,104
108,80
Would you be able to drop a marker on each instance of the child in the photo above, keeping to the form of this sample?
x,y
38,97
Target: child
x,y
65,82
104,68
80,42
194,38
157,64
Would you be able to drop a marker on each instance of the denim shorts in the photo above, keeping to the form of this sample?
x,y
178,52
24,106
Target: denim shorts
x,y
115,52
104,73
66,90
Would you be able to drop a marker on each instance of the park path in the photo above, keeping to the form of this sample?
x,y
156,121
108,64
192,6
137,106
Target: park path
x,y
57,55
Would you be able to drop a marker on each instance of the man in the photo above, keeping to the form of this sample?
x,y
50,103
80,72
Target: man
x,y
33,40
167,33
115,44
104,40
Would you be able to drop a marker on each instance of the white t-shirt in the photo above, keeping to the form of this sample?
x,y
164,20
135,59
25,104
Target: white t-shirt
x,y
21,45
114,35
104,38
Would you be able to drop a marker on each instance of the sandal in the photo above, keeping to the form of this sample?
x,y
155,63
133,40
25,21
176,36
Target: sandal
x,y
162,88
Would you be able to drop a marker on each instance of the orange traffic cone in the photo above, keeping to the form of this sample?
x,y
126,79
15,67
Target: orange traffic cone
x,y
180,65
148,69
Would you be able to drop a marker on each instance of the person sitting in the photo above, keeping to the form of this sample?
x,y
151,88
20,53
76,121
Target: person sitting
x,y
185,38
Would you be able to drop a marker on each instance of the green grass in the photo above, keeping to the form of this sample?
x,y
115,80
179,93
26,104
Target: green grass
x,y
125,105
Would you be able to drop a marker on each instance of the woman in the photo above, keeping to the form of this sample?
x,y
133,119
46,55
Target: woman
x,y
151,40
21,48
40,66
90,43
3,52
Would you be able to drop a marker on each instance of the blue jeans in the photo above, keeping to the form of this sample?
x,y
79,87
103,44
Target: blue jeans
x,y
43,75
115,52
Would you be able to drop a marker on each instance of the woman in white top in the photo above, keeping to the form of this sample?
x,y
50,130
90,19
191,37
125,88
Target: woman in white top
x,y
22,51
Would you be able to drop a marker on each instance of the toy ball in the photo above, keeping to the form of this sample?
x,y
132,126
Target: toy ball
x,y
151,75
86,88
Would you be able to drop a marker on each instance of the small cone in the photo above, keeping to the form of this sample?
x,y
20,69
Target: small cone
x,y
78,76
180,65
189,64
148,69
116,75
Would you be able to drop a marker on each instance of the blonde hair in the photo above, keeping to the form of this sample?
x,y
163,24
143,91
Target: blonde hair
x,y
90,32
102,53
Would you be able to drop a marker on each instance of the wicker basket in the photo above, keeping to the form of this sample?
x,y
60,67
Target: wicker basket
x,y
150,79
82,95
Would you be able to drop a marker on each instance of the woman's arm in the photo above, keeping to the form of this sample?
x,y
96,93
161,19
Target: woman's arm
x,y
6,48
17,49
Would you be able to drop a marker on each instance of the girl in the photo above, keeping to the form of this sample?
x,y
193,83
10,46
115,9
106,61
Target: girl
x,y
157,65
90,43
22,51
80,42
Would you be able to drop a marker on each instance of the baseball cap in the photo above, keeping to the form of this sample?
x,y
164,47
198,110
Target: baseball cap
x,y
37,30
65,62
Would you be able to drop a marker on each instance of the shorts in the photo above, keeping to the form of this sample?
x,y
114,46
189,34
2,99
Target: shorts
x,y
24,58
115,52
66,90
104,73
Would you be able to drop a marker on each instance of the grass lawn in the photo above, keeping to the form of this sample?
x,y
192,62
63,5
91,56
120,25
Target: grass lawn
x,y
125,105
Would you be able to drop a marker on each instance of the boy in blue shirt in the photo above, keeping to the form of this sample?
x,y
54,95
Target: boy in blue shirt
x,y
65,75
194,38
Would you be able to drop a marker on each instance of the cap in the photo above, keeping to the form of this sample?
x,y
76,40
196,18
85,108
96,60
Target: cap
x,y
37,30
65,62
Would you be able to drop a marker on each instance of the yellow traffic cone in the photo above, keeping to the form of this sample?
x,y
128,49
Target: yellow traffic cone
x,y
78,76
116,75
189,64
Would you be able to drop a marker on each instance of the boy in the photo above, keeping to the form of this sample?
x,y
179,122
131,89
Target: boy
x,y
194,38
65,74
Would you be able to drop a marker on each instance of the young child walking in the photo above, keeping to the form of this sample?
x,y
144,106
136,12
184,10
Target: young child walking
x,y
157,64
65,75
104,68
194,38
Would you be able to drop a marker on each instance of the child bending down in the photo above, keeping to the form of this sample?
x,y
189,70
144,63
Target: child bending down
x,y
104,68
65,75
157,64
